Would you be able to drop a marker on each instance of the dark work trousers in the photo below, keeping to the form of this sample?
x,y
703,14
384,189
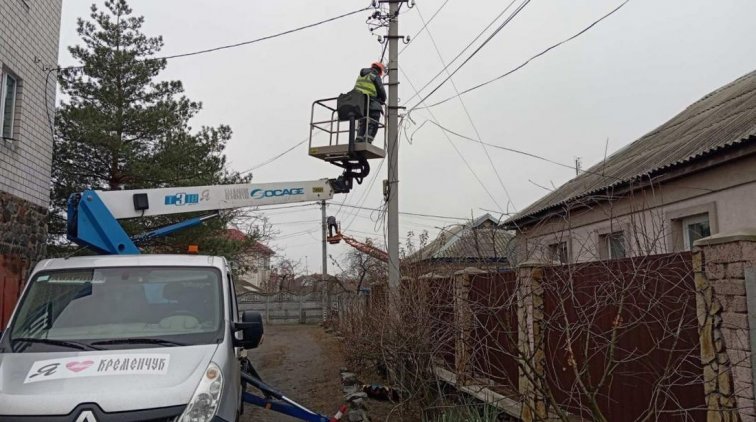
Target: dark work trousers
x,y
372,127
331,228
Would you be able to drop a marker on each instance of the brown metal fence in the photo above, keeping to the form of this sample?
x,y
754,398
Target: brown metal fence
x,y
12,273
442,317
494,335
626,331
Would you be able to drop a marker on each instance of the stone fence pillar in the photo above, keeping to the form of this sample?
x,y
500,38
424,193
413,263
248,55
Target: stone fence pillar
x,y
531,340
463,323
725,299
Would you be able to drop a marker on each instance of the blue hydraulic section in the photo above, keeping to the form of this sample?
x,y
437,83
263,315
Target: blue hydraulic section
x,y
281,404
165,231
285,408
91,224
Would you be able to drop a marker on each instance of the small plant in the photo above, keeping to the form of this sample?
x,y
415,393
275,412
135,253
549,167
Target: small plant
x,y
465,413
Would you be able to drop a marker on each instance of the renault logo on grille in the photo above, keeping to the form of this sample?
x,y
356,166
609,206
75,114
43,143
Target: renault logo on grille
x,y
86,416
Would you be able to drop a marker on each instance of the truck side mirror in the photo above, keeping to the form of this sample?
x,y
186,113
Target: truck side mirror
x,y
252,330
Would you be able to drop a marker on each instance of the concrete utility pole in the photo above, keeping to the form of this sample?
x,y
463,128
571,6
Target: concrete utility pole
x,y
324,273
393,145
324,229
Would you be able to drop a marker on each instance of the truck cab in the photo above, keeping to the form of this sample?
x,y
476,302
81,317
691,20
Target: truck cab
x,y
126,338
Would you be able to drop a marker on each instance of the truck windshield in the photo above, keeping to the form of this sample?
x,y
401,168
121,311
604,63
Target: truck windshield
x,y
116,308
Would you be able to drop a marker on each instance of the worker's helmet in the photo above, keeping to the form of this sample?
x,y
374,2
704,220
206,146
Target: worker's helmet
x,y
380,67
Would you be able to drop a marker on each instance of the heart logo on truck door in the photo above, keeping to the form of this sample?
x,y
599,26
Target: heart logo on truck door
x,y
79,366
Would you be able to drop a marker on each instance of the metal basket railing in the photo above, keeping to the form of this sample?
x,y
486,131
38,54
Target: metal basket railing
x,y
324,119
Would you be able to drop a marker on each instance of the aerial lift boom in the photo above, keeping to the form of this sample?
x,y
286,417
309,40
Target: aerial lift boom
x,y
93,215
365,248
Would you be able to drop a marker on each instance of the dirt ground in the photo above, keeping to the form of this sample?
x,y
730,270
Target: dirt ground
x,y
303,362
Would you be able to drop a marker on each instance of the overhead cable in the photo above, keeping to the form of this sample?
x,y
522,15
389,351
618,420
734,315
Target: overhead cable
x,y
454,146
272,159
425,25
469,116
243,43
475,52
409,213
569,166
525,63
463,51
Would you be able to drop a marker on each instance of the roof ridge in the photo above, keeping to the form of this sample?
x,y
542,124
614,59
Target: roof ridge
x,y
724,117
663,127
718,90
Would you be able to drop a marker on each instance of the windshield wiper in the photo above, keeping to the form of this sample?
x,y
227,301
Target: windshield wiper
x,y
63,343
140,340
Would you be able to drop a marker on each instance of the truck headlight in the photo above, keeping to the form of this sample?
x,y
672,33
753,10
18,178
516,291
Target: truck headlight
x,y
204,402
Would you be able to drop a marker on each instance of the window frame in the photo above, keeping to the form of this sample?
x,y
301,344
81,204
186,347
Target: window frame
x,y
555,252
606,244
4,75
689,221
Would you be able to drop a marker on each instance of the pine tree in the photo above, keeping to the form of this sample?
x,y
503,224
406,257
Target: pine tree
x,y
120,128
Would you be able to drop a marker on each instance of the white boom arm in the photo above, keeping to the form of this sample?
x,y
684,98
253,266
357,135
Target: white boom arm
x,y
163,201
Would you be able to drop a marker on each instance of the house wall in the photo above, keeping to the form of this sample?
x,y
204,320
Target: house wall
x,y
29,37
650,218
259,274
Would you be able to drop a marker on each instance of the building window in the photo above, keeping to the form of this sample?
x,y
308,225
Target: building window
x,y
612,245
694,228
558,252
7,104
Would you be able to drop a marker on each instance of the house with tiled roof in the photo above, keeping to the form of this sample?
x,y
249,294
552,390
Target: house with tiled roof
x,y
693,176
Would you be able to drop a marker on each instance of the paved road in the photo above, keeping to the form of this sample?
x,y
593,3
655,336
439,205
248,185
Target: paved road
x,y
303,362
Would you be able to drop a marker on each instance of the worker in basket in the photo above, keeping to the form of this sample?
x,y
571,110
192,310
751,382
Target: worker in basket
x,y
332,226
370,84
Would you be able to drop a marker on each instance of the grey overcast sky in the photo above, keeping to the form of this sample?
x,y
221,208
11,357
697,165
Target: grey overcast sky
x,y
621,79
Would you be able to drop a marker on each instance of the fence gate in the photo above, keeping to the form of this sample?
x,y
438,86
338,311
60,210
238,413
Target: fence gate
x,y
284,307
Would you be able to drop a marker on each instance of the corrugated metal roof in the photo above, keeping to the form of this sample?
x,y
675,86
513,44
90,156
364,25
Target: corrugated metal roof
x,y
482,238
722,118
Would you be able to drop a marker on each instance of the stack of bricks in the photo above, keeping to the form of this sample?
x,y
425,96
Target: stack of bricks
x,y
720,263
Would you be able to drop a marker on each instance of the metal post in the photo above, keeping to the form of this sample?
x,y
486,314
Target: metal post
x,y
324,272
393,146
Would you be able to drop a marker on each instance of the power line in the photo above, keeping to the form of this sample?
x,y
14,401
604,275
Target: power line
x,y
454,146
517,151
297,222
470,44
270,160
208,50
425,24
243,43
569,166
467,113
525,63
476,51
409,213
224,47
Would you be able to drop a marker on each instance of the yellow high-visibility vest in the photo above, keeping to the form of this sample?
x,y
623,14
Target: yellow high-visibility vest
x,y
366,86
